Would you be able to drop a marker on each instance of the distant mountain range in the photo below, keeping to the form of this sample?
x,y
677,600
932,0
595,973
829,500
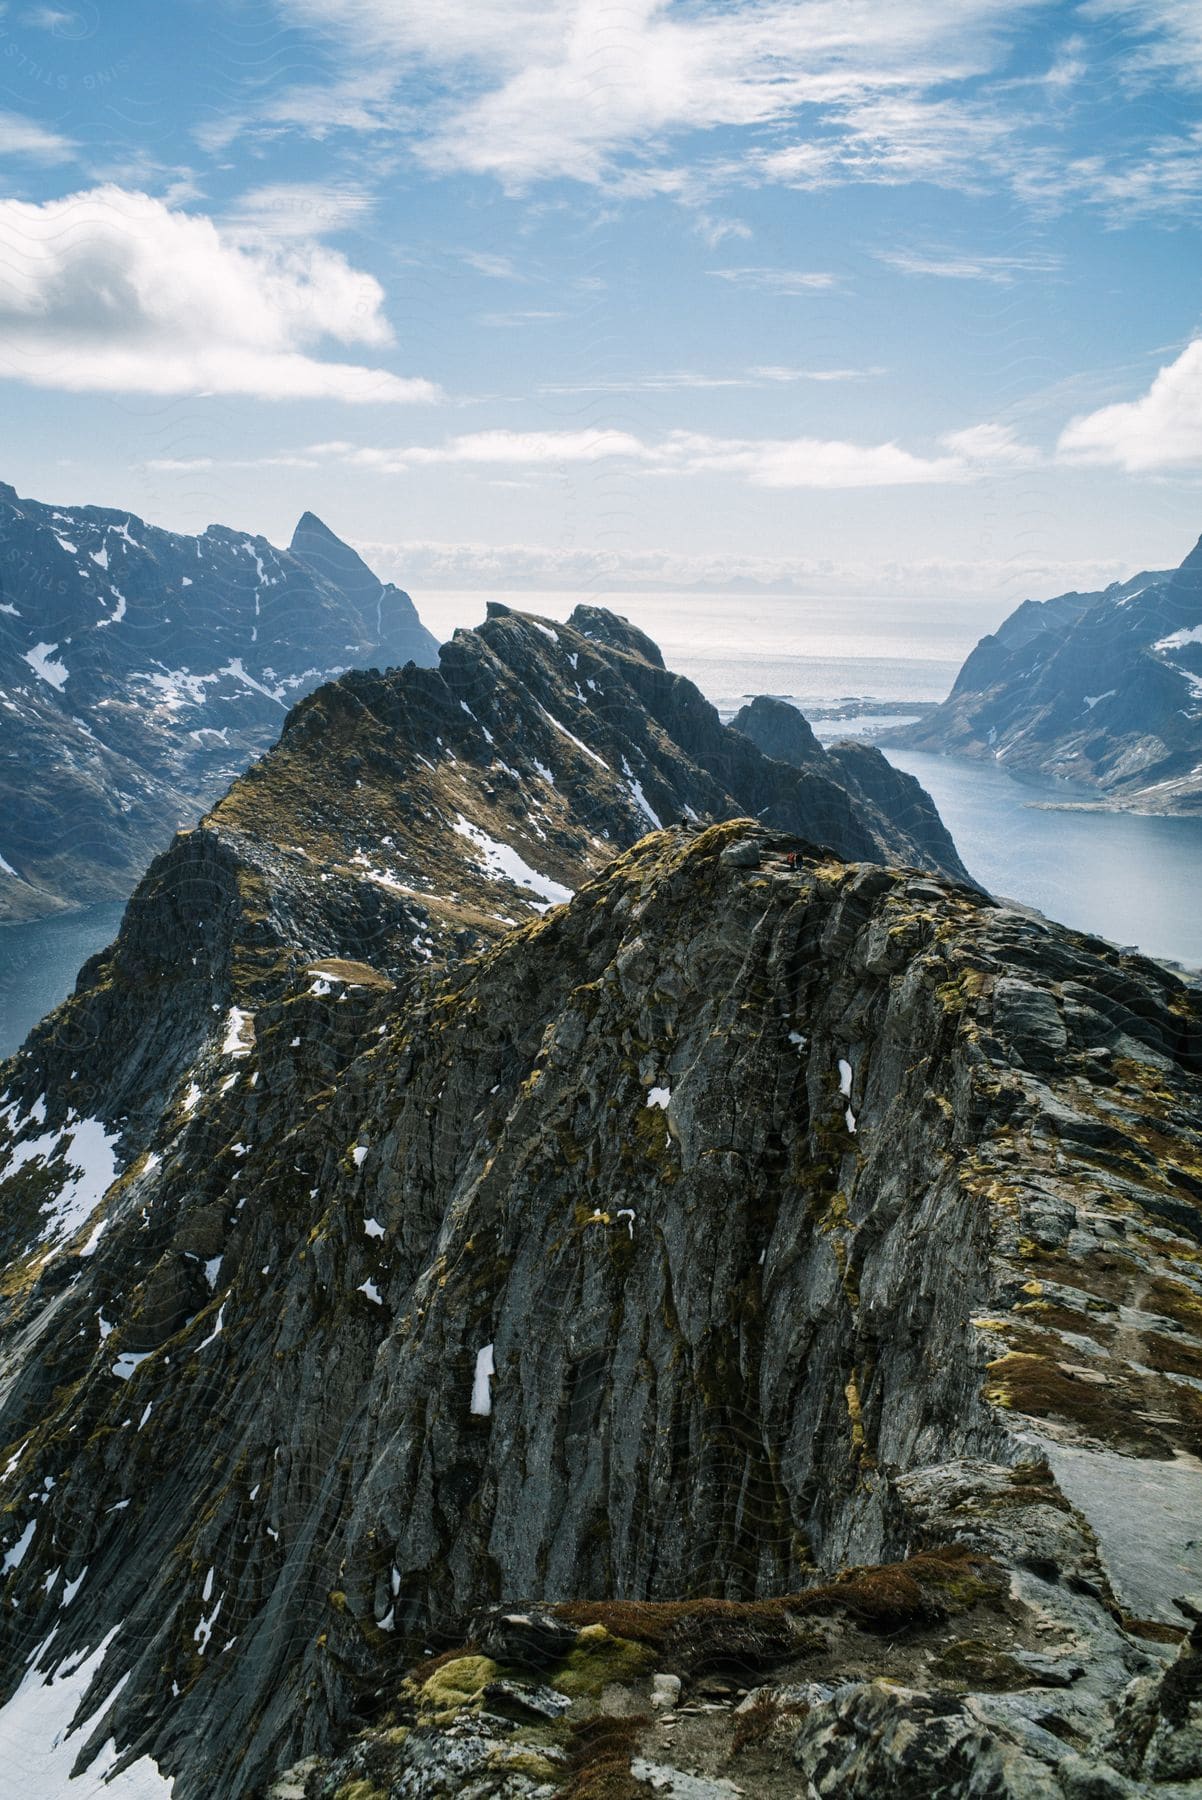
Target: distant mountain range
x,y
142,670
1101,689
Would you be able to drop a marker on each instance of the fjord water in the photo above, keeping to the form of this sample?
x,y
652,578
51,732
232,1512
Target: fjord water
x,y
1128,878
1124,876
40,960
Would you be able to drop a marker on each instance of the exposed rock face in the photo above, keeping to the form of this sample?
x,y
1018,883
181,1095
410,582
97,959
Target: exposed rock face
x,y
141,671
1103,689
405,818
781,732
723,1227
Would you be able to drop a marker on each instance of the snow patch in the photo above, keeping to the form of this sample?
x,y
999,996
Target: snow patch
x,y
482,1382
39,1741
234,668
118,612
564,732
236,1026
640,799
82,1151
503,863
1177,640
41,661
16,1556
216,1331
127,1362
659,1096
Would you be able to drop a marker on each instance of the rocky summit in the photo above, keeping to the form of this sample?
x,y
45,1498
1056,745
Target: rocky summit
x,y
140,671
563,1256
1101,690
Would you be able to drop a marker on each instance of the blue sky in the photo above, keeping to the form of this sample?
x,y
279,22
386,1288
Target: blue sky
x,y
840,296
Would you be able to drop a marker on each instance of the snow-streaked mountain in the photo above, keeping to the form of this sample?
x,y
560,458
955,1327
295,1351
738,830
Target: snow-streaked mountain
x,y
1102,689
142,670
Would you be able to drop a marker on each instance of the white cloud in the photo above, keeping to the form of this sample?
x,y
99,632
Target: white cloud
x,y
829,92
888,138
1161,430
1167,33
299,209
528,448
670,381
1163,178
498,268
53,18
990,447
777,281
810,462
361,102
432,565
949,265
110,290
520,316
781,372
544,88
801,462
23,137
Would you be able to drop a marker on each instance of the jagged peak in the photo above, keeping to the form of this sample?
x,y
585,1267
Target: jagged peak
x,y
780,730
310,526
323,550
612,629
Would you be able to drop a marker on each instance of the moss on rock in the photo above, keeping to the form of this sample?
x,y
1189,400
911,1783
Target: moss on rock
x,y
598,1659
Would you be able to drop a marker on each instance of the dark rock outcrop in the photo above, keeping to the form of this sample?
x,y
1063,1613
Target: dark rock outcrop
x,y
780,731
704,1236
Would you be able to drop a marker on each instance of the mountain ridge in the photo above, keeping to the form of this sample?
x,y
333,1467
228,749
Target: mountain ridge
x,y
471,1182
141,670
1102,690
730,1224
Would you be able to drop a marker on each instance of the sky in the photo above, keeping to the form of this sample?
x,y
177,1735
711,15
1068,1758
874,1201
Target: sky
x,y
833,296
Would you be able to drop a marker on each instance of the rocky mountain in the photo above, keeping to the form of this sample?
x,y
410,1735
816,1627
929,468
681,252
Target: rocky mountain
x,y
1103,689
140,671
458,1332
783,733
